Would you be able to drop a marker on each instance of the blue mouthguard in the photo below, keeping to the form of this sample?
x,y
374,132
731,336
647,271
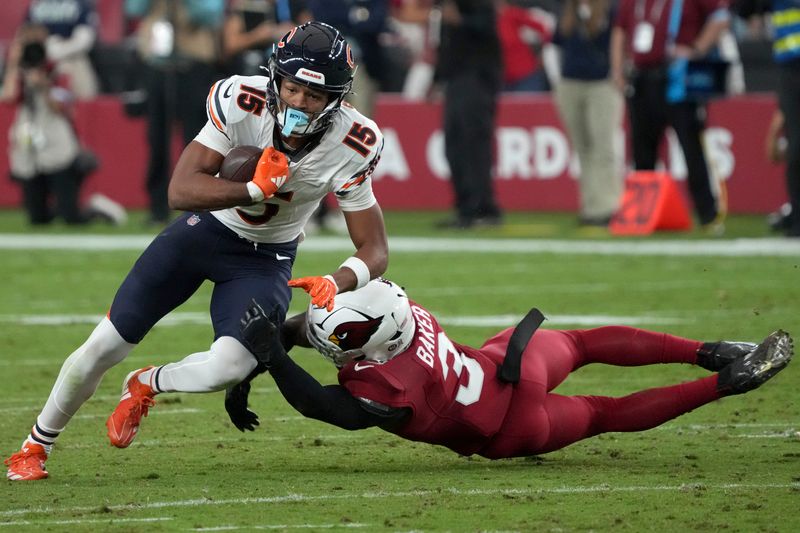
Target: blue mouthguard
x,y
293,118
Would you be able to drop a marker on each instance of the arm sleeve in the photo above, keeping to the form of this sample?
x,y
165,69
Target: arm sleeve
x,y
356,193
211,137
360,199
215,134
538,26
622,18
332,403
80,42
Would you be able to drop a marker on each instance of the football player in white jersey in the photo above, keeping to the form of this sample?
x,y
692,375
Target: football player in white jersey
x,y
242,237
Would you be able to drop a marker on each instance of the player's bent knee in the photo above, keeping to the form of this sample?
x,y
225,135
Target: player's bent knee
x,y
233,362
104,348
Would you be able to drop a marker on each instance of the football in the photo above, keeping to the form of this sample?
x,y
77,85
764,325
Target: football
x,y
240,163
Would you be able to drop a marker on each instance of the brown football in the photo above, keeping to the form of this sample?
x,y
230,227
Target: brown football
x,y
240,163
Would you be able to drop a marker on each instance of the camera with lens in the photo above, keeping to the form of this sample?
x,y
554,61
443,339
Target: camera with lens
x,y
33,55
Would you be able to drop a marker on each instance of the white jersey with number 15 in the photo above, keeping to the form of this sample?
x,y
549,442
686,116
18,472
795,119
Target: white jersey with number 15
x,y
341,163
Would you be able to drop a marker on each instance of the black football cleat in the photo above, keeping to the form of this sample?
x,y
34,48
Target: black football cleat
x,y
715,356
761,364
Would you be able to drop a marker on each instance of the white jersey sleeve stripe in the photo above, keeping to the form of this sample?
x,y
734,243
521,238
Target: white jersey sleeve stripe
x,y
214,116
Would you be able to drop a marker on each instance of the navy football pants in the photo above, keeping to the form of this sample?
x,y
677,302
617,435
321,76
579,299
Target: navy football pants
x,y
194,248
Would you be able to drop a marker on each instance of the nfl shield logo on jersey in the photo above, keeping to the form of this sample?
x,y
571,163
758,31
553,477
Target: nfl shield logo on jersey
x,y
193,220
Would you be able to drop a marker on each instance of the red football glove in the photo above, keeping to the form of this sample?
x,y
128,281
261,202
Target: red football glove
x,y
271,172
321,289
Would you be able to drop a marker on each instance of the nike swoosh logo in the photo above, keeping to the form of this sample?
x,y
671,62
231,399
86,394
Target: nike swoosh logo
x,y
227,93
280,257
358,366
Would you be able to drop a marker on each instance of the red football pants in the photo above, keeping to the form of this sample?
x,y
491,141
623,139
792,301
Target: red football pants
x,y
539,421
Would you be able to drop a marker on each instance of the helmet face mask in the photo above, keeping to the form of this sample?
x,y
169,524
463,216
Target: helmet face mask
x,y
315,55
373,323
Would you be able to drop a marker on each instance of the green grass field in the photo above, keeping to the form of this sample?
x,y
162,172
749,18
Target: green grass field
x,y
733,465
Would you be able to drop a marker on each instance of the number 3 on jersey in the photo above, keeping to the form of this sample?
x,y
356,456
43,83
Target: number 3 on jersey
x,y
471,392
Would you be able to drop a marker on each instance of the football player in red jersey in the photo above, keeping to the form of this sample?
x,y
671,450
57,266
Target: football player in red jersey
x,y
401,372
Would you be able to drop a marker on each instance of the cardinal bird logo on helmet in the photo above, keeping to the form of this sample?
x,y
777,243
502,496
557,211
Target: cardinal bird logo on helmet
x,y
352,335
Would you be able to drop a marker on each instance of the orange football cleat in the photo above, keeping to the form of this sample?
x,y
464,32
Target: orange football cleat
x,y
136,400
27,464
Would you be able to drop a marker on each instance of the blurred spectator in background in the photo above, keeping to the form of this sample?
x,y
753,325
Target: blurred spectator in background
x,y
179,43
590,105
786,50
417,24
522,31
775,145
775,140
641,33
753,37
251,28
362,22
45,156
470,66
71,33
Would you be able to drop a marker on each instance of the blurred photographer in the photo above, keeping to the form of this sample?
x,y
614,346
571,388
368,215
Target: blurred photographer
x,y
72,27
44,152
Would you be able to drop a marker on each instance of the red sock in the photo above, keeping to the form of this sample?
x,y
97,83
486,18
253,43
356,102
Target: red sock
x,y
627,346
652,407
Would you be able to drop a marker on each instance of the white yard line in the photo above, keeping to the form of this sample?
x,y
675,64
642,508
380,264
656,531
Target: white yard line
x,y
703,427
388,495
183,318
250,438
658,247
109,397
786,435
24,409
553,320
58,358
350,525
173,319
109,521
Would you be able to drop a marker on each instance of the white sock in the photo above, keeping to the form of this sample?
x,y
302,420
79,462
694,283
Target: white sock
x,y
80,374
150,378
45,437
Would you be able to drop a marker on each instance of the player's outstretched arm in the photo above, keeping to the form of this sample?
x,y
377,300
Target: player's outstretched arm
x,y
368,233
332,404
236,406
292,333
193,186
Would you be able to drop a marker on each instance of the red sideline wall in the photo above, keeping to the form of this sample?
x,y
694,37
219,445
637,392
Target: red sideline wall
x,y
534,165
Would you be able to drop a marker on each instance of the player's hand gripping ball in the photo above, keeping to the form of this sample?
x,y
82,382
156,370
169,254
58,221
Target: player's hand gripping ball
x,y
240,164
272,171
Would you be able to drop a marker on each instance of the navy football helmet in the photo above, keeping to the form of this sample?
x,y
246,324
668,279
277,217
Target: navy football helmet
x,y
316,55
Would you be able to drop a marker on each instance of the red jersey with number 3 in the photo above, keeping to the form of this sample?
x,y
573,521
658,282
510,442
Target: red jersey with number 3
x,y
453,390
